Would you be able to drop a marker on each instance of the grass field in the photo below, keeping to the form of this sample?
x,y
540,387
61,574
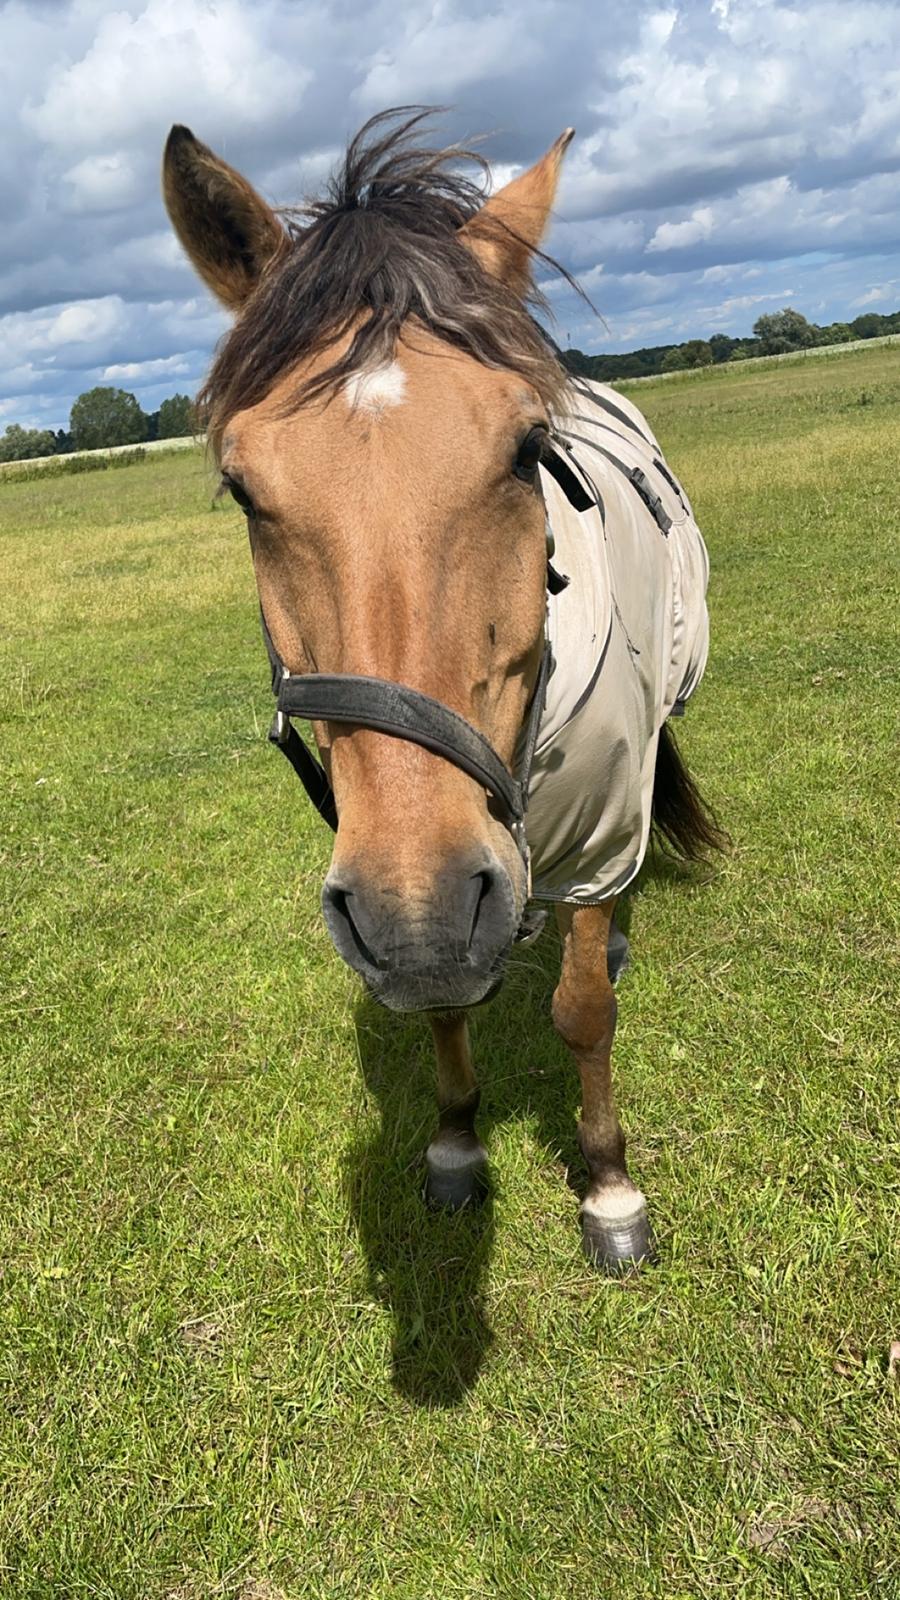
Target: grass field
x,y
237,1356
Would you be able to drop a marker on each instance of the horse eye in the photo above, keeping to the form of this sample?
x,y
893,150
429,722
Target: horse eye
x,y
238,494
528,455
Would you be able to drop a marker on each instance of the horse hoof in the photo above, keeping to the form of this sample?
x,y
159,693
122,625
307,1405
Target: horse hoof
x,y
618,1245
455,1174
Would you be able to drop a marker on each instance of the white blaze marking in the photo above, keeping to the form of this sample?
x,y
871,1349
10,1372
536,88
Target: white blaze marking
x,y
374,391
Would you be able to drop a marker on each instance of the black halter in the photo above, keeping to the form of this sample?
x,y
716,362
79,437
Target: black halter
x,y
405,713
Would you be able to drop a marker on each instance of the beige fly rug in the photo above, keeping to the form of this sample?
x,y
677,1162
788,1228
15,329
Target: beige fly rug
x,y
629,635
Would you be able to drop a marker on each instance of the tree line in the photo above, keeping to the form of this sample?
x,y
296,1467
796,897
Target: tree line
x,y
774,334
105,416
99,419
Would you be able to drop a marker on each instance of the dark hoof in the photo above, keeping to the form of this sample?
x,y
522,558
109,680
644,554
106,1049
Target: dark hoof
x,y
618,953
618,1246
456,1174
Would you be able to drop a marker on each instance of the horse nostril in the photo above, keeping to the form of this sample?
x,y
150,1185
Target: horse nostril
x,y
492,911
479,888
340,922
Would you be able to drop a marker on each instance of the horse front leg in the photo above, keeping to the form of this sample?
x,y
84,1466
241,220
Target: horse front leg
x,y
456,1160
615,1228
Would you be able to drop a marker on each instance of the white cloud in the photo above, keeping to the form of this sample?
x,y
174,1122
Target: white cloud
x,y
677,235
101,183
776,219
726,310
878,293
146,371
50,335
83,324
435,55
172,60
49,358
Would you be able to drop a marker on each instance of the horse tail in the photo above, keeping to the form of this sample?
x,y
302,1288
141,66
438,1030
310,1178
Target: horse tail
x,y
681,817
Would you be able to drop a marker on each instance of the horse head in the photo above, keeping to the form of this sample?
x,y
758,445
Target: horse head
x,y
379,410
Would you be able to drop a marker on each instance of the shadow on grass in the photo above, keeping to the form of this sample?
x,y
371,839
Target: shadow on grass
x,y
429,1267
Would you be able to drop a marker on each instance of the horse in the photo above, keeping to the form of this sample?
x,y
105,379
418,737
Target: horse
x,y
480,583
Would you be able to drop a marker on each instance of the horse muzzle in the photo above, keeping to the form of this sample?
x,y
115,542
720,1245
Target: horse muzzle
x,y
434,947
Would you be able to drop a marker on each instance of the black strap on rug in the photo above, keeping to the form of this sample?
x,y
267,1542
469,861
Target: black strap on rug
x,y
636,476
559,469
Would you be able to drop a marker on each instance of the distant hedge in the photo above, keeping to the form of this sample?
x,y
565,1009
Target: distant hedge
x,y
62,466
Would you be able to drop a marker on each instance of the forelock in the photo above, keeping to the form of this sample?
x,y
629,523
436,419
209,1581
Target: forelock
x,y
381,249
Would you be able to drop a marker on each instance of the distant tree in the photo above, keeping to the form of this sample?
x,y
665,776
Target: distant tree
x,y
776,332
836,333
781,331
697,353
176,417
103,417
606,369
869,325
635,364
721,346
152,426
63,442
23,444
576,361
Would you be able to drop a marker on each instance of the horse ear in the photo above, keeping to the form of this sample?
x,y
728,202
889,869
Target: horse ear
x,y
226,228
511,224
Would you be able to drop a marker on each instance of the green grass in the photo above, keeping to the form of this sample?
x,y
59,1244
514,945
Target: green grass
x,y
237,1356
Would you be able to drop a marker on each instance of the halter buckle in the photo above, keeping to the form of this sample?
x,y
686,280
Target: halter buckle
x,y
280,729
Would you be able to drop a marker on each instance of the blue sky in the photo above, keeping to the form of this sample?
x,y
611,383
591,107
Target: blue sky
x,y
732,156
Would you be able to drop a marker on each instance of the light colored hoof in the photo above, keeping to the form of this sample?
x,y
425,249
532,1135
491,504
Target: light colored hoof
x,y
455,1173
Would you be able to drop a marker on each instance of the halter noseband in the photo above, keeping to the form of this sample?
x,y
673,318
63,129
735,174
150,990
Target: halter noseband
x,y
404,713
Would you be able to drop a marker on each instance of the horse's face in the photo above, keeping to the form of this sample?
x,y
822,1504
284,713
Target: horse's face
x,y
397,531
